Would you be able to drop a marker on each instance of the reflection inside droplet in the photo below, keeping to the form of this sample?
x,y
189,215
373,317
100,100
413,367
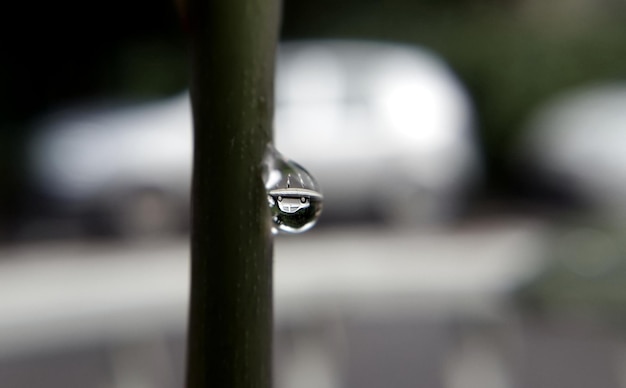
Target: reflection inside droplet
x,y
294,197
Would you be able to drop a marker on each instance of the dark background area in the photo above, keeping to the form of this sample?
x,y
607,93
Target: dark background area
x,y
511,55
60,54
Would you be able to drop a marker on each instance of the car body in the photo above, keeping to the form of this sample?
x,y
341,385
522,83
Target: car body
x,y
578,141
385,129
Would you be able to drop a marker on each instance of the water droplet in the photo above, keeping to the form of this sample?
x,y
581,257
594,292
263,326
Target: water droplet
x,y
293,195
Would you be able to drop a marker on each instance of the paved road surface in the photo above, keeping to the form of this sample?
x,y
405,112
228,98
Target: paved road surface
x,y
354,307
354,271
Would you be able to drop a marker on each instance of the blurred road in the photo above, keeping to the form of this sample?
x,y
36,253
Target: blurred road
x,y
385,296
358,271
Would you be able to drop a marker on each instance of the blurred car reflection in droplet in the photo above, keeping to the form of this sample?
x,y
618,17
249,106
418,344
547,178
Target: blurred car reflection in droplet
x,y
386,129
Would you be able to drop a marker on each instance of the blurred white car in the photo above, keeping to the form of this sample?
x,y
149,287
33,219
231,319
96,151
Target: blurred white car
x,y
578,140
386,129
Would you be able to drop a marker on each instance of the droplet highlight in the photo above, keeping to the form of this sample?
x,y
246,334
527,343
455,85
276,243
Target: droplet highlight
x,y
293,195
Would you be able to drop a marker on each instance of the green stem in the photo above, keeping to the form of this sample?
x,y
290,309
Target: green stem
x,y
233,45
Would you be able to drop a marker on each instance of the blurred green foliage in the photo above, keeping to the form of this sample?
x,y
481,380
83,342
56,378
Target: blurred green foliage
x,y
147,68
585,273
561,290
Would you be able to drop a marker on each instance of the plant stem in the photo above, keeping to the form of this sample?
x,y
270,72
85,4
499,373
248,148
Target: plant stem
x,y
233,44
